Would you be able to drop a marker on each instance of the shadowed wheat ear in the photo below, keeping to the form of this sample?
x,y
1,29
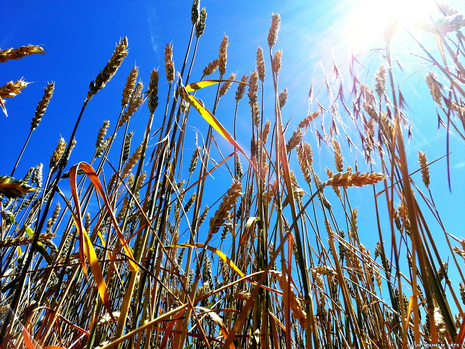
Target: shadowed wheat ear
x,y
110,69
229,200
14,188
24,240
16,53
195,12
153,90
357,179
200,26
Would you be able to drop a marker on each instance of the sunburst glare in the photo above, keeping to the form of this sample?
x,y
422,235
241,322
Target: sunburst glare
x,y
369,20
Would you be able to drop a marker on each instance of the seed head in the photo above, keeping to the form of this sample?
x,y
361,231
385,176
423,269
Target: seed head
x,y
448,24
348,179
283,98
200,26
435,87
52,220
260,64
229,200
37,175
274,30
12,89
424,168
42,106
223,55
129,87
194,160
110,69
305,123
153,90
127,146
253,88
134,103
169,64
277,61
225,87
380,77
241,88
101,133
132,161
295,139
266,131
195,11
256,114
210,68
57,155
16,53
338,156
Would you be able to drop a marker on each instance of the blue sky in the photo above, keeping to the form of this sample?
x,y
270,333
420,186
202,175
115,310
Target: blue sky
x,y
79,38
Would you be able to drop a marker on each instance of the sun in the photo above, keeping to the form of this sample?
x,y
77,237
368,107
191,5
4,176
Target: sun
x,y
367,22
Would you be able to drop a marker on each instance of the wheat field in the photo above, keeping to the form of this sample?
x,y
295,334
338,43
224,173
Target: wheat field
x,y
197,240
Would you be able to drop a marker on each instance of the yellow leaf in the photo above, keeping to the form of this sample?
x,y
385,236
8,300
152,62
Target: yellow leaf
x,y
201,84
220,254
409,311
211,119
95,267
205,83
89,171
